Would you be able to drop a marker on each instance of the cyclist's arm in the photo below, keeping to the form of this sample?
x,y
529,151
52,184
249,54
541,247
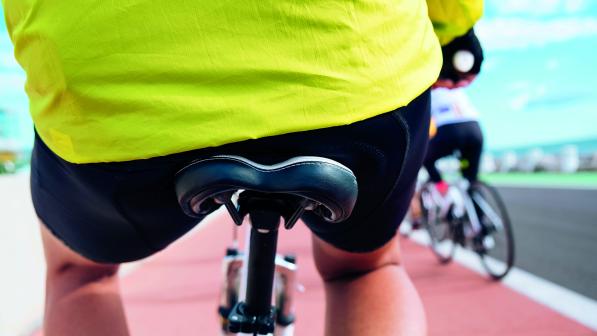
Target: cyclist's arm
x,y
453,21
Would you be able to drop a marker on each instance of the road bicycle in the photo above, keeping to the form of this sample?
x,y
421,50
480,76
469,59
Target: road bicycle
x,y
257,292
472,216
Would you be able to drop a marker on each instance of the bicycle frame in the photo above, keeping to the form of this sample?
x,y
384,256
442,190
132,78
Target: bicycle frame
x,y
459,203
473,219
488,211
253,268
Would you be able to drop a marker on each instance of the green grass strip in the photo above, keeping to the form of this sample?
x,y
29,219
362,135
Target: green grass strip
x,y
583,179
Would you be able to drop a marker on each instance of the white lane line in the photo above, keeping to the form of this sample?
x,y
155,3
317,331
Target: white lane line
x,y
564,301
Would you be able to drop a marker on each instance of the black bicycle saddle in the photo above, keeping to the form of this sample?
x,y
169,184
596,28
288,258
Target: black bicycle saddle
x,y
324,186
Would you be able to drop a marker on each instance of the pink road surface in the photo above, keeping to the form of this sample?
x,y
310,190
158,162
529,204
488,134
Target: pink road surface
x,y
176,292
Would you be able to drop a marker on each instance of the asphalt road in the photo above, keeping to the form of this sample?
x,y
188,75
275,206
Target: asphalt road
x,y
556,234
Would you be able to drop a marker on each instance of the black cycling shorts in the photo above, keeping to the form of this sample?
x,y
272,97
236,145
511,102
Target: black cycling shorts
x,y
124,211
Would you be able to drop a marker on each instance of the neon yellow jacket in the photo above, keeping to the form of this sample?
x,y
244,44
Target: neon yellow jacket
x,y
132,79
453,18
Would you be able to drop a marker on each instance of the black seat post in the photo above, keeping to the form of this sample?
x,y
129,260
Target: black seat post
x,y
269,194
262,255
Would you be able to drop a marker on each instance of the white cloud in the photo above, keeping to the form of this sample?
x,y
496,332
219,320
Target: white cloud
x,y
538,7
492,63
509,33
527,94
519,102
575,6
540,91
11,82
552,64
7,60
520,85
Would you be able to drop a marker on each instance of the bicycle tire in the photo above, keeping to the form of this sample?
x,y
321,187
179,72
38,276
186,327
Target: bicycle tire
x,y
440,231
496,264
406,227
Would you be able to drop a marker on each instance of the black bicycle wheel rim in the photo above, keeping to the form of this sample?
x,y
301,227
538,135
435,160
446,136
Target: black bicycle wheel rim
x,y
498,260
440,232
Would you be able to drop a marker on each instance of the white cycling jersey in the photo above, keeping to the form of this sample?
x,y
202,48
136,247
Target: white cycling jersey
x,y
451,106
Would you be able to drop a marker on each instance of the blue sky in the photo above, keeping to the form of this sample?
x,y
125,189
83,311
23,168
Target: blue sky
x,y
538,85
15,122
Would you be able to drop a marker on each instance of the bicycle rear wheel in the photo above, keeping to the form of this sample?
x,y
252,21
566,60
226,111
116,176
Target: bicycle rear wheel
x,y
440,230
497,254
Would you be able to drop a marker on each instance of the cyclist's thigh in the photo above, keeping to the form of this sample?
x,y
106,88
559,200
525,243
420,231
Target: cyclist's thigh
x,y
60,259
474,136
444,143
471,148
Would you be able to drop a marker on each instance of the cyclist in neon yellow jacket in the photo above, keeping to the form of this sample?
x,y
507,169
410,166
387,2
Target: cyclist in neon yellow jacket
x,y
118,89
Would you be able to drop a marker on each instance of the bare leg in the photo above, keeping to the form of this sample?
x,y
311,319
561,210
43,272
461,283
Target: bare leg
x,y
415,207
368,293
82,297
